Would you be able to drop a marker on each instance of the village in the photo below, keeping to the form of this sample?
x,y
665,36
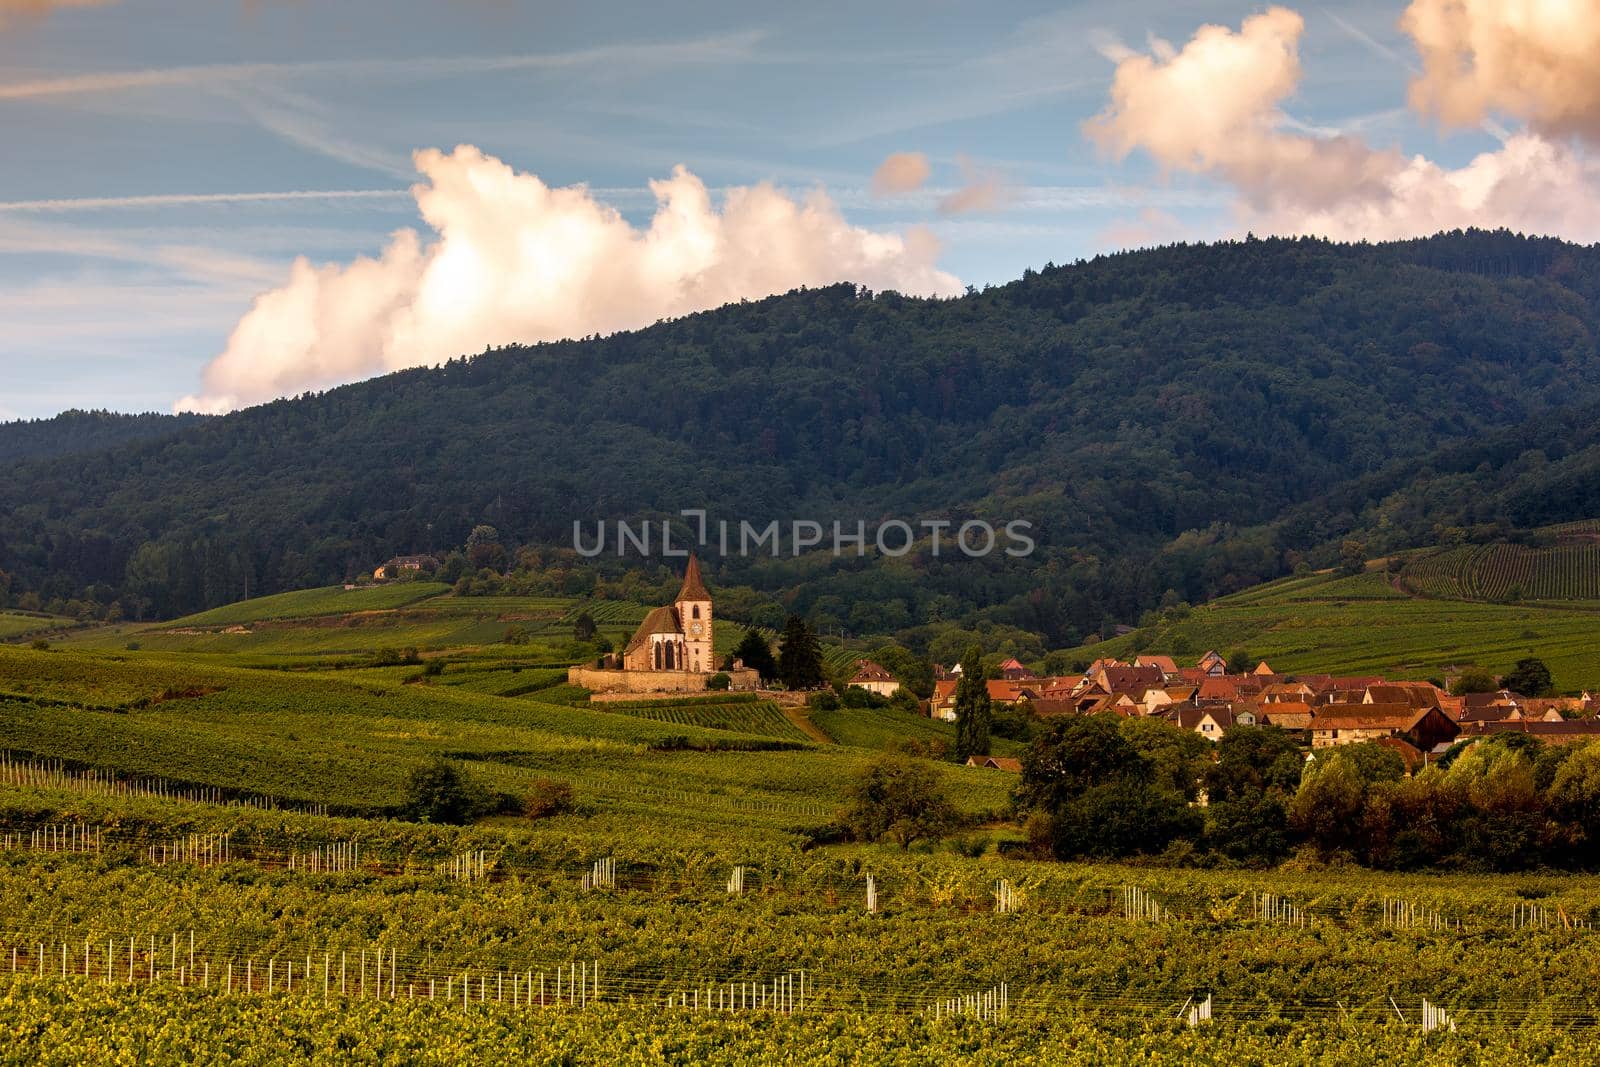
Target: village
x,y
1419,720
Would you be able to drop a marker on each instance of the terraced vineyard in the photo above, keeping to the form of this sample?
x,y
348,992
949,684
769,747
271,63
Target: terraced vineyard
x,y
1508,572
760,717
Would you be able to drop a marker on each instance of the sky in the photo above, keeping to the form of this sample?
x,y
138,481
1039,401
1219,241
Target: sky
x,y
207,205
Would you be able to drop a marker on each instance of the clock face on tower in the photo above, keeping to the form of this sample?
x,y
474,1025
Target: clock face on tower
x,y
695,629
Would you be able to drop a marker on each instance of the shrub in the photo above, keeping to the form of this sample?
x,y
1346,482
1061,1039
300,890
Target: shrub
x,y
548,796
718,681
826,700
441,792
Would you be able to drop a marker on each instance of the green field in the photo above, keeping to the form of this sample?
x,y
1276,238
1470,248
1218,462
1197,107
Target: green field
x,y
297,747
1326,624
20,624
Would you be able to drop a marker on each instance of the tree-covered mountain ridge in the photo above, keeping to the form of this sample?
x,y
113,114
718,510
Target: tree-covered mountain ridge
x,y
1182,421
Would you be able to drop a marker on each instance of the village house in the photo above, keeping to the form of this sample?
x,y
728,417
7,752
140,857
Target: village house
x,y
996,763
1013,670
399,565
1348,724
1209,722
874,679
1165,664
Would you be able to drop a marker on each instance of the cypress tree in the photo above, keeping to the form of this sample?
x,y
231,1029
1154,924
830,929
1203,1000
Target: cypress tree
x,y
974,713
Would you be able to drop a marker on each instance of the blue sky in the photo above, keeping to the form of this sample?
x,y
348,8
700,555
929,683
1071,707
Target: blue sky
x,y
139,133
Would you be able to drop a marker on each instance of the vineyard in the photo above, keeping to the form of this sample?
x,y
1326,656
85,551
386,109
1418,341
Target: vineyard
x,y
1363,624
759,717
312,603
1508,572
197,851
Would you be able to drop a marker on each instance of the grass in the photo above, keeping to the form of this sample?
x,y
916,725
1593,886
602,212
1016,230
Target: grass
x,y
1331,624
17,624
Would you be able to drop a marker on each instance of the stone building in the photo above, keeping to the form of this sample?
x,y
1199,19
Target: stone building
x,y
672,651
676,637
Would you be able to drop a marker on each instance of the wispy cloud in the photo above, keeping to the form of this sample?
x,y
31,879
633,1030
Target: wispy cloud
x,y
306,123
192,263
982,190
166,200
732,47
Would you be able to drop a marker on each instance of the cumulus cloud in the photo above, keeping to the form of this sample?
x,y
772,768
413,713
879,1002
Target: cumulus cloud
x,y
981,190
1535,60
512,259
900,172
1215,107
30,9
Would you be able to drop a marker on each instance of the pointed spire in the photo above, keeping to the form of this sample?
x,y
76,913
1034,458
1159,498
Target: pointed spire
x,y
693,587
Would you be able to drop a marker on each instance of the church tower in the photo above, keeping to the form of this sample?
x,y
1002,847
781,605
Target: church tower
x,y
694,616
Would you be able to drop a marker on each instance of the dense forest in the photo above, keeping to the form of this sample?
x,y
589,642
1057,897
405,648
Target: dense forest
x,y
1176,423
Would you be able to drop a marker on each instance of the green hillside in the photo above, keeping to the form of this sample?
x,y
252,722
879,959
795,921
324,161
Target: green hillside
x,y
1329,624
1197,419
16,625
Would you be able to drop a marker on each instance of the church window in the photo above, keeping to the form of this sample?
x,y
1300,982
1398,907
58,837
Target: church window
x,y
697,611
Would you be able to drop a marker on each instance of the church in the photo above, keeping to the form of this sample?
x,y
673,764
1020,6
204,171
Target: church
x,y
676,637
672,651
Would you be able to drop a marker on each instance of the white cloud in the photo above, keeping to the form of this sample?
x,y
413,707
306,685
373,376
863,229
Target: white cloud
x,y
1534,60
516,260
1214,107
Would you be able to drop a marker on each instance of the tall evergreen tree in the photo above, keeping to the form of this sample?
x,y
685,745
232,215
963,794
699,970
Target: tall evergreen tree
x,y
756,654
799,659
974,712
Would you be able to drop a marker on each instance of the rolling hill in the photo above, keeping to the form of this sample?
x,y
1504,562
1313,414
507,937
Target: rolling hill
x,y
1369,623
1196,419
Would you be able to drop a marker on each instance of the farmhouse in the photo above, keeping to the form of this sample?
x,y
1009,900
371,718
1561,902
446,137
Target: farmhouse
x,y
874,679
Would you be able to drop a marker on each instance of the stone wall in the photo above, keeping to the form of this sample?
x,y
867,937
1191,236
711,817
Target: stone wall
x,y
604,681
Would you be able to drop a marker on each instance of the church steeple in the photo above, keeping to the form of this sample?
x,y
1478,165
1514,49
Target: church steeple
x,y
694,618
693,587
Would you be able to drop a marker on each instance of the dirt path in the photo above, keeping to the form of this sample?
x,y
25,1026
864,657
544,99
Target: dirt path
x,y
799,717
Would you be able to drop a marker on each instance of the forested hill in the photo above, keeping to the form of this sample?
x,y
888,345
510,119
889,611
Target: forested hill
x,y
76,432
1193,418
